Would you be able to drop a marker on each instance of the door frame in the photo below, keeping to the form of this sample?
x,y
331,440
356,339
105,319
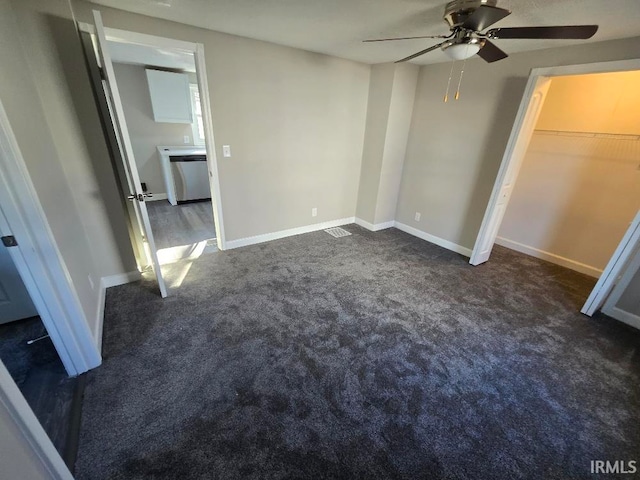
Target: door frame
x,y
39,261
521,133
197,50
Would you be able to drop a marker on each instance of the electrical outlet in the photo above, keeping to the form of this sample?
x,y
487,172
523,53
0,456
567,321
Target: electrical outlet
x,y
314,212
187,139
226,151
417,216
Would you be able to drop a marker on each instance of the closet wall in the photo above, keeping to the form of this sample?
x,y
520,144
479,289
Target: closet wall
x,y
579,186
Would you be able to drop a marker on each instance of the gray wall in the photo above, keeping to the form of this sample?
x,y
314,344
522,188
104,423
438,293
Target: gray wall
x,y
455,148
146,134
398,124
391,96
294,121
380,90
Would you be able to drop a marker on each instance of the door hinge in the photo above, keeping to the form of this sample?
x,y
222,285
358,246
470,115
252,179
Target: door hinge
x,y
9,241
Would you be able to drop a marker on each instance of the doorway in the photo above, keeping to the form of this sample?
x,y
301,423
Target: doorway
x,y
32,361
170,153
167,145
573,242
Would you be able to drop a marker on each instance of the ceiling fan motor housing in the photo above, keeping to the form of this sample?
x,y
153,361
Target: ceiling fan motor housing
x,y
457,12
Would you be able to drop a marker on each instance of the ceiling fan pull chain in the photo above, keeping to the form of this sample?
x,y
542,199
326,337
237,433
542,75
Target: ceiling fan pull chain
x,y
460,81
446,95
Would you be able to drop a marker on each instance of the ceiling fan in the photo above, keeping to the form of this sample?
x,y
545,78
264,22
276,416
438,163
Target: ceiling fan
x,y
467,19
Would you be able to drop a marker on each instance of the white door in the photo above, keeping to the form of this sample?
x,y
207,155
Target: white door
x,y
137,195
616,267
523,128
15,301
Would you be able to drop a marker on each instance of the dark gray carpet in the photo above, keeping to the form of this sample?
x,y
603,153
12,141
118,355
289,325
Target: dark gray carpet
x,y
373,356
177,225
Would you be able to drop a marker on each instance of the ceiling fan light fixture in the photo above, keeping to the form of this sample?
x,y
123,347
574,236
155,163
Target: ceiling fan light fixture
x,y
462,51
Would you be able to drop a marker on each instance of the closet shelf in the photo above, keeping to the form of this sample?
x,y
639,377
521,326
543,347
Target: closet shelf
x,y
611,136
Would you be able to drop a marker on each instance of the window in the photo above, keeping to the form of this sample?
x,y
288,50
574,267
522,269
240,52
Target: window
x,y
197,126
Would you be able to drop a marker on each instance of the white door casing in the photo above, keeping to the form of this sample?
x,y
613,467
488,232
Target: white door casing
x,y
39,261
508,173
523,128
122,133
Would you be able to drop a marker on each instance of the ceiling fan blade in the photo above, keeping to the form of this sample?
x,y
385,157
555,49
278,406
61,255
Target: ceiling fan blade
x,y
485,16
580,32
405,38
421,52
490,53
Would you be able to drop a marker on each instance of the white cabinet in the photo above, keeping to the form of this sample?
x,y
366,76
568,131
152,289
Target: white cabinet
x,y
170,96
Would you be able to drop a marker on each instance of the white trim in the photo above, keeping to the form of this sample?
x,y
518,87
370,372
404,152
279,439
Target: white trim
x,y
550,257
624,316
33,437
97,335
521,133
120,279
587,68
267,237
374,228
107,282
45,275
212,159
156,197
126,36
454,247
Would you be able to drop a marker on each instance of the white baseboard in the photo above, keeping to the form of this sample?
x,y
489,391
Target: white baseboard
x,y
156,197
267,237
624,316
454,247
102,295
374,227
550,257
120,279
106,282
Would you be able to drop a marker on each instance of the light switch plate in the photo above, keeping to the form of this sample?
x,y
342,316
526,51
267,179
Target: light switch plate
x,y
226,151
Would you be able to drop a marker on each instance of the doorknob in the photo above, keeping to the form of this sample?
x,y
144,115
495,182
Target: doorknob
x,y
140,197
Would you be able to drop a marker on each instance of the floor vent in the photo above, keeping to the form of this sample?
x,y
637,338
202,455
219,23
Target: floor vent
x,y
337,232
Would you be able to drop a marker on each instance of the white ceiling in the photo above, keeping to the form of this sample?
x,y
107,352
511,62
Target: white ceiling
x,y
149,56
337,27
